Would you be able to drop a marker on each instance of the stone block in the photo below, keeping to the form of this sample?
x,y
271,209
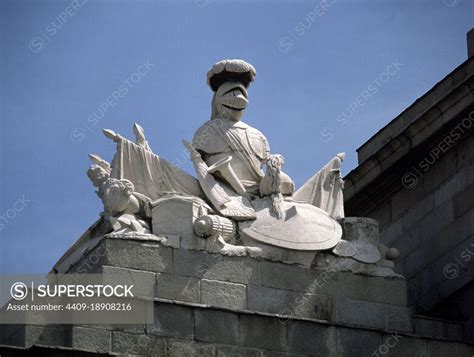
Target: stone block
x,y
433,328
122,327
409,241
91,339
216,326
417,260
360,228
446,275
143,281
290,303
12,335
453,234
179,288
401,345
172,321
223,294
465,150
138,255
463,201
440,171
445,348
376,315
417,211
397,318
284,276
216,267
175,216
359,313
391,291
405,199
333,283
392,233
56,335
382,215
439,218
189,348
311,339
447,190
281,354
233,351
263,332
273,301
356,342
137,344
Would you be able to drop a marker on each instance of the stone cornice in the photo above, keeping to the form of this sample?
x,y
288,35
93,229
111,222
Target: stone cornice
x,y
415,127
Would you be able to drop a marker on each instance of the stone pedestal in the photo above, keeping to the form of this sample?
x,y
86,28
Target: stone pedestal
x,y
211,304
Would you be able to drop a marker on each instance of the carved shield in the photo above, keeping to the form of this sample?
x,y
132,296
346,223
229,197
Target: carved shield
x,y
302,226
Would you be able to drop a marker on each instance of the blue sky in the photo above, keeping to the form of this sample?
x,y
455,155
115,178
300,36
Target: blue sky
x,y
62,60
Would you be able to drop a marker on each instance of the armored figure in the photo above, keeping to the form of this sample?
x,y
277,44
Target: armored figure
x,y
226,135
231,194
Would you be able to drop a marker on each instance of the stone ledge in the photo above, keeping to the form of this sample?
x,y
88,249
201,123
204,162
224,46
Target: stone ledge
x,y
249,284
216,332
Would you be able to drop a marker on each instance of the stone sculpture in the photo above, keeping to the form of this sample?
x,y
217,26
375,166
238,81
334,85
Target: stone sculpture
x,y
125,211
232,205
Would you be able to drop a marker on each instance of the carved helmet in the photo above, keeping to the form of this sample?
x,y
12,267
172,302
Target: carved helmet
x,y
229,79
233,70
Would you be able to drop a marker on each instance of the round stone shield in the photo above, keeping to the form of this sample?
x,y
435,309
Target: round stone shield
x,y
301,227
362,251
344,249
366,252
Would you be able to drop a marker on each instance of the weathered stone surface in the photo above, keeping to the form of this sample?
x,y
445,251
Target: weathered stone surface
x,y
174,216
351,342
428,327
124,253
381,316
417,211
329,282
356,228
401,201
189,348
383,216
311,339
417,260
444,348
143,281
447,274
275,301
90,339
232,351
280,354
440,171
216,267
291,303
448,189
453,234
391,291
399,345
437,220
464,201
409,241
263,332
217,326
55,335
391,233
137,344
180,288
223,294
282,276
173,321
